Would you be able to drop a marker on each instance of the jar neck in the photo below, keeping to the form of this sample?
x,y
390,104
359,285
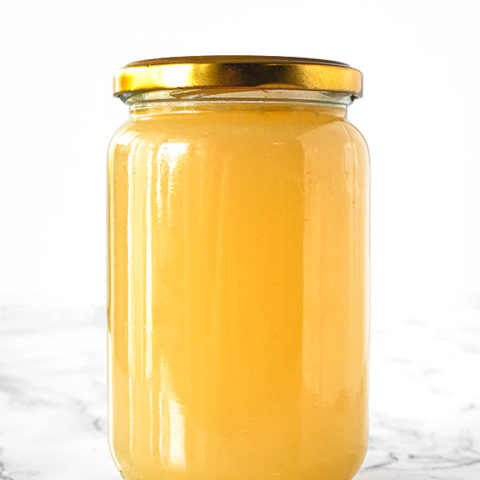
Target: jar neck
x,y
143,104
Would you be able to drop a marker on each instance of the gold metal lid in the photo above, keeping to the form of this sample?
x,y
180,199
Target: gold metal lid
x,y
239,72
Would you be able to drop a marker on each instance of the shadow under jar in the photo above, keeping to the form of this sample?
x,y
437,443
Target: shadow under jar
x,y
238,198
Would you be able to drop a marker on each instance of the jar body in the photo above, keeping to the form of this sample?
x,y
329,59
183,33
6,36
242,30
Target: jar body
x,y
238,293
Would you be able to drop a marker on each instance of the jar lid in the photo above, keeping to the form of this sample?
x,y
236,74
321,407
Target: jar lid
x,y
238,72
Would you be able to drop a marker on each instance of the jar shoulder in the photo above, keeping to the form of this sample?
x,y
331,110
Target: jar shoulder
x,y
121,136
359,148
357,137
303,131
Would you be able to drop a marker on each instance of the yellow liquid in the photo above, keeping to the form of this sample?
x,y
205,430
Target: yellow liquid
x,y
238,293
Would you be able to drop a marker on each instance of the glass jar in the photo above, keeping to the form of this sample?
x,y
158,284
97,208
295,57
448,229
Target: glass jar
x,y
238,271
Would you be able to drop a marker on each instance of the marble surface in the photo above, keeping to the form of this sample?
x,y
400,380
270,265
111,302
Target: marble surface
x,y
425,397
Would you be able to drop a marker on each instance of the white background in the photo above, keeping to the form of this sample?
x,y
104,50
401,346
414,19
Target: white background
x,y
421,66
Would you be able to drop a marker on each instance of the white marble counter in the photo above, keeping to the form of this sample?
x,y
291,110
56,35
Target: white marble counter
x,y
425,397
